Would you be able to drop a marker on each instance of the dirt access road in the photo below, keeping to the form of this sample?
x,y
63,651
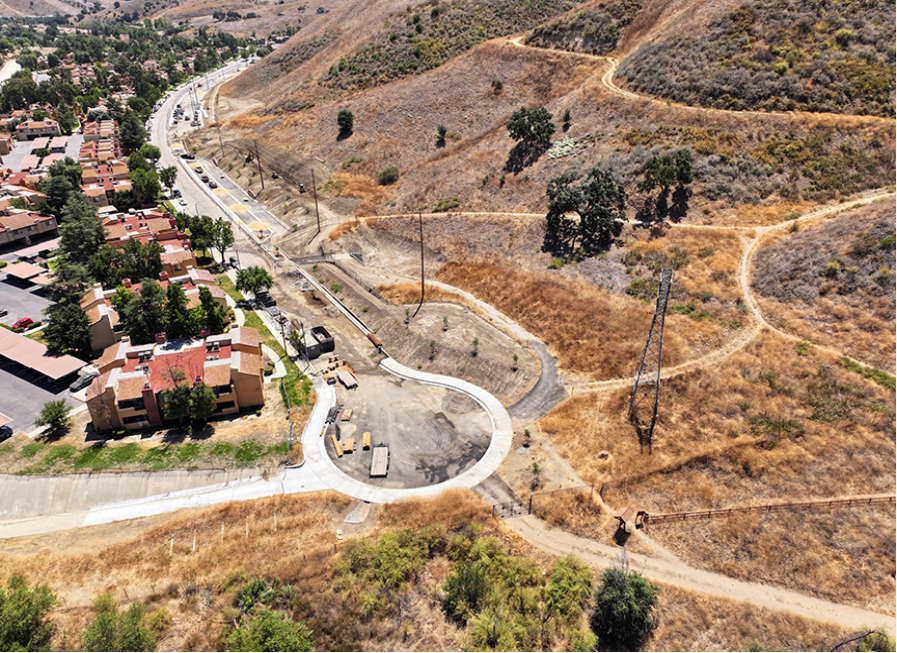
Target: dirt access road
x,y
675,572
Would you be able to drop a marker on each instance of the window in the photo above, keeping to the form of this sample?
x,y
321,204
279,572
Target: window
x,y
222,389
224,406
132,404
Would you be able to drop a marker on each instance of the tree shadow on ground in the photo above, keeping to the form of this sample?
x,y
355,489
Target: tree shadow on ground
x,y
523,155
656,210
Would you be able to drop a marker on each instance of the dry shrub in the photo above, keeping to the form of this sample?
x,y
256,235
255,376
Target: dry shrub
x,y
575,511
767,426
248,121
342,229
687,621
590,330
361,187
408,292
416,513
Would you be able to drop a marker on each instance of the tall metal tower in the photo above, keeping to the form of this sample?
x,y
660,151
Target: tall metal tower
x,y
646,391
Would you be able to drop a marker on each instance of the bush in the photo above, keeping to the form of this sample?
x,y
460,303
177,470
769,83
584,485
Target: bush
x,y
624,607
345,119
388,176
23,612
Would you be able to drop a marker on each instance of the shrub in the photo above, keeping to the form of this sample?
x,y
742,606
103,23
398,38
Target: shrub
x,y
23,613
624,607
345,119
388,176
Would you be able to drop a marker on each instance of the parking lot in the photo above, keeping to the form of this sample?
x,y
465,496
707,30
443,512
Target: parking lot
x,y
25,392
21,301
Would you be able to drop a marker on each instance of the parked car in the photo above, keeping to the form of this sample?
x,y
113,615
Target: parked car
x,y
198,170
176,192
84,379
3,312
274,175
23,322
187,155
5,432
234,262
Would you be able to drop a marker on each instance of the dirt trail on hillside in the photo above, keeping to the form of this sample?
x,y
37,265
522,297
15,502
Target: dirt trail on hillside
x,y
674,572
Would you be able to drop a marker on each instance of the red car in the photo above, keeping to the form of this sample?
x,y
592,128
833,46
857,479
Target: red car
x,y
23,322
212,184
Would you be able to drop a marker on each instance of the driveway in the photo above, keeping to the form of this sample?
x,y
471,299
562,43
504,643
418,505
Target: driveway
x,y
20,302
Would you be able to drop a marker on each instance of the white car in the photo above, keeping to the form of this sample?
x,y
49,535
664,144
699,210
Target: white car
x,y
182,202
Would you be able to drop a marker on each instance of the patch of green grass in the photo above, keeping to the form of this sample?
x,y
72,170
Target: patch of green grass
x,y
123,455
881,377
160,457
93,458
225,283
253,321
278,449
32,449
248,453
223,449
63,453
188,451
803,348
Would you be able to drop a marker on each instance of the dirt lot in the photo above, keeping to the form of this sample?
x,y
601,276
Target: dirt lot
x,y
433,434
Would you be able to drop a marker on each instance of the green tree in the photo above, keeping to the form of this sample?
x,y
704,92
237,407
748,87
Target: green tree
x,y
68,328
624,607
23,616
533,127
268,630
63,177
150,152
202,403
253,279
222,236
662,172
112,630
146,185
345,119
131,132
466,589
168,176
80,233
136,161
144,316
70,281
599,202
66,119
176,400
569,588
178,320
212,314
55,416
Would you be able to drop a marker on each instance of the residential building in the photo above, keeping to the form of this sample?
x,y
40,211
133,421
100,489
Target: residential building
x,y
21,225
31,129
129,393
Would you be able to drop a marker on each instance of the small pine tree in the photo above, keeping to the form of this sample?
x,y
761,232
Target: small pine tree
x,y
345,119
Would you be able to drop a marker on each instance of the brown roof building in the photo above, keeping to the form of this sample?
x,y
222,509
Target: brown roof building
x,y
129,393
22,226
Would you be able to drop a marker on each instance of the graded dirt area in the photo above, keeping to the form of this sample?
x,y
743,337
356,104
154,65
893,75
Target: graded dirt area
x,y
433,433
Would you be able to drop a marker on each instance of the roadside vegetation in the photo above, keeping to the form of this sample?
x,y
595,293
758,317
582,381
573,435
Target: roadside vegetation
x,y
593,29
436,575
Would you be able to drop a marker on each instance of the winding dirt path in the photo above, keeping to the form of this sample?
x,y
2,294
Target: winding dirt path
x,y
674,572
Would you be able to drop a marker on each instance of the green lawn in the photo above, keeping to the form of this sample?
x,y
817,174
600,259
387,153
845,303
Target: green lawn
x,y
64,458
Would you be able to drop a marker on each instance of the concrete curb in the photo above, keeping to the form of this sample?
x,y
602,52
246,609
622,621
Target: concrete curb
x,y
324,468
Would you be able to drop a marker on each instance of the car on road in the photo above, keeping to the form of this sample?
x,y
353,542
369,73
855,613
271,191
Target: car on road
x,y
5,433
198,170
187,155
212,184
234,262
23,322
176,192
205,179
182,202
3,312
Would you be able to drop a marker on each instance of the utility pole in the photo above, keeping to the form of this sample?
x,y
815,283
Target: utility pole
x,y
259,162
218,127
314,190
420,222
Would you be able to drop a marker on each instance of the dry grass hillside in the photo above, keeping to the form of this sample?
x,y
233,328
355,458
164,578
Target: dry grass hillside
x,y
762,166
768,425
833,284
331,584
